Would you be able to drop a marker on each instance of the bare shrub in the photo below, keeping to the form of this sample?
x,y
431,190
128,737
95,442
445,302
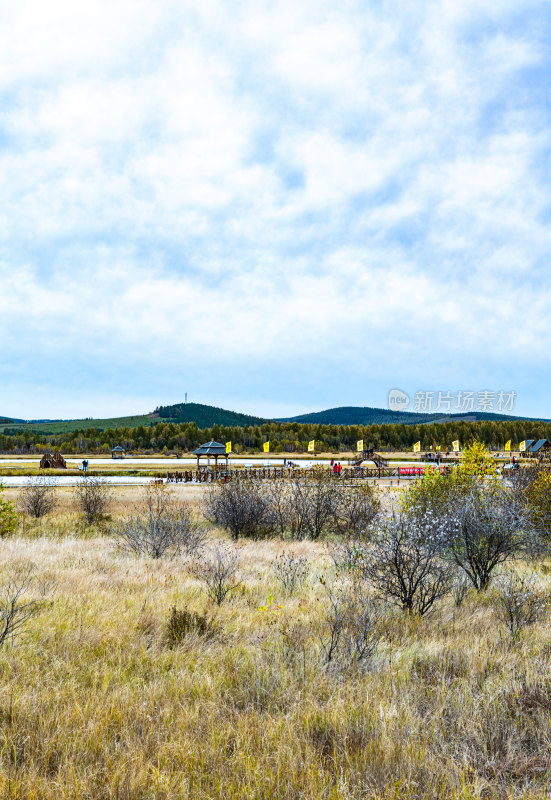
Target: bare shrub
x,y
92,498
37,497
460,588
291,571
15,608
352,626
242,508
517,602
160,528
357,509
183,623
312,506
216,567
278,495
405,565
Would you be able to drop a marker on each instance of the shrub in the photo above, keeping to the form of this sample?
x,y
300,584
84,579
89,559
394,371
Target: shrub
x,y
38,496
405,563
92,498
291,571
486,528
8,516
216,567
538,495
356,511
312,506
243,509
161,528
15,609
437,491
517,602
181,624
352,626
460,588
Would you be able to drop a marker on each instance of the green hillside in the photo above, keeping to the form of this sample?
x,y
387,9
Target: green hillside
x,y
357,415
67,426
203,416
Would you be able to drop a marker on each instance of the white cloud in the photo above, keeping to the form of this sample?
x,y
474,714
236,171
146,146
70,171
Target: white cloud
x,y
281,188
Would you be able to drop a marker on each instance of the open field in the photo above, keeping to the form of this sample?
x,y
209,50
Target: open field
x,y
96,703
67,426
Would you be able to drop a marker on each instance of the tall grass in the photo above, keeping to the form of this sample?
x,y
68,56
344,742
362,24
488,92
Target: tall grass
x,y
95,704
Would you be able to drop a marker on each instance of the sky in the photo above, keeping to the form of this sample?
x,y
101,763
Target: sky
x,y
275,207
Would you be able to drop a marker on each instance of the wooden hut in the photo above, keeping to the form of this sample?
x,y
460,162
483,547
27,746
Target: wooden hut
x,y
52,461
117,452
541,449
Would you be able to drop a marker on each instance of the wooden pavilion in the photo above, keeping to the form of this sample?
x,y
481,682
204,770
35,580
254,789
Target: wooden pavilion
x,y
211,450
117,452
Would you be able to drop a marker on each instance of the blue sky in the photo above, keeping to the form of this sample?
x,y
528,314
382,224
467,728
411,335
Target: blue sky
x,y
276,207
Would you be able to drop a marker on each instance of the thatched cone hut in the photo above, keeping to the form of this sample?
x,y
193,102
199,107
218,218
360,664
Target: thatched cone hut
x,y
52,461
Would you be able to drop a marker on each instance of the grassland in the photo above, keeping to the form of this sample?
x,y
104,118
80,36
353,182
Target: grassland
x,y
94,704
68,426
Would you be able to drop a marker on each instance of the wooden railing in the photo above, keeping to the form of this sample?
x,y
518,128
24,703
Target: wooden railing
x,y
347,474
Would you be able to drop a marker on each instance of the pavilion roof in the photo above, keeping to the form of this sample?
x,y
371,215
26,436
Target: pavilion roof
x,y
211,449
539,444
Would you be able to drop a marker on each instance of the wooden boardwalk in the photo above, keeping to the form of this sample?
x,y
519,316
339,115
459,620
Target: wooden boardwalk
x,y
347,474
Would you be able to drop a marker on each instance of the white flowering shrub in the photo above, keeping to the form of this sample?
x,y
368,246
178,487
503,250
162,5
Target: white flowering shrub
x,y
405,562
484,529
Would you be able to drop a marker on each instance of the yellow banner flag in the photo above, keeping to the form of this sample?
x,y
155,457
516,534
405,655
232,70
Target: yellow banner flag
x,y
455,446
522,447
360,446
508,445
267,447
228,447
417,447
311,446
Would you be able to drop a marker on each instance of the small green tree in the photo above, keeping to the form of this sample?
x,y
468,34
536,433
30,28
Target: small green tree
x,y
8,516
437,488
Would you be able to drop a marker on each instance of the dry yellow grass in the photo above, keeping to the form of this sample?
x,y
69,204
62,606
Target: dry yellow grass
x,y
95,705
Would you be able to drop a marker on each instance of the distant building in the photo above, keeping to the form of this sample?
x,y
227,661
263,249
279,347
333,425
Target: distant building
x,y
541,448
117,452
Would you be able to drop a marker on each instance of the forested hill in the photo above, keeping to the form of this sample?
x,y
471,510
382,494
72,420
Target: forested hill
x,y
206,416
202,415
358,415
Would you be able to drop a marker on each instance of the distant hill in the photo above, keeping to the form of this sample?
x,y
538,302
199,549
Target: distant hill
x,y
206,416
358,415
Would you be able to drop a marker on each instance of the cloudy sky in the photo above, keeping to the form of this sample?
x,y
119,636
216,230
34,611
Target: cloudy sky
x,y
276,207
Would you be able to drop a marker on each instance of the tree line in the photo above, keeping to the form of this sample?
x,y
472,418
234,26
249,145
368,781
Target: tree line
x,y
284,437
